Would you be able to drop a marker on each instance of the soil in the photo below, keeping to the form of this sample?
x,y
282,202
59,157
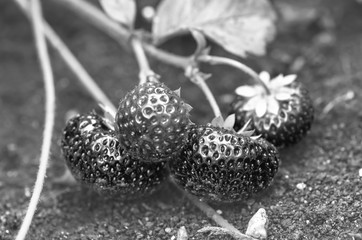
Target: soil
x,y
316,194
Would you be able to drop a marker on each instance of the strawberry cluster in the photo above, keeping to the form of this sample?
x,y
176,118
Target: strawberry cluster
x,y
128,153
151,137
95,158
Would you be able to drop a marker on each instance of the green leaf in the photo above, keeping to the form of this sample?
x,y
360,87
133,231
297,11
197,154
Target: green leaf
x,y
229,121
122,11
240,26
218,121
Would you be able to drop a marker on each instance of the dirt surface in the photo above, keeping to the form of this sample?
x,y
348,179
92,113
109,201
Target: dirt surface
x,y
316,195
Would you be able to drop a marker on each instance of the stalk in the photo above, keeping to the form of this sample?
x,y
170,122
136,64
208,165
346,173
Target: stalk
x,y
48,78
145,72
215,60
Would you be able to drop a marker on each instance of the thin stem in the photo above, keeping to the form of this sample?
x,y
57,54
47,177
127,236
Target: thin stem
x,y
199,78
71,61
209,95
224,231
145,69
49,113
166,57
99,19
212,214
119,33
215,60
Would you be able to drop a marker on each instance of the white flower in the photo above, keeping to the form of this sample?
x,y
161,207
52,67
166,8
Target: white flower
x,y
262,102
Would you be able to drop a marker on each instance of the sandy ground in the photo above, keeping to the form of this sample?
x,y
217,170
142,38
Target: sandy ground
x,y
316,194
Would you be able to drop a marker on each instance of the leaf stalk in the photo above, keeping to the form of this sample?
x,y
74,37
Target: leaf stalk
x,y
199,78
216,60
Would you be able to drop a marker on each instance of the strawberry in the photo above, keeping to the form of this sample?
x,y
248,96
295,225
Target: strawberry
x,y
152,122
94,156
218,164
282,116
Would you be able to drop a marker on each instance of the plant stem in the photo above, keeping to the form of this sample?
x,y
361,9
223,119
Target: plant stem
x,y
119,33
71,61
211,213
167,57
49,112
145,73
199,80
99,19
224,231
215,60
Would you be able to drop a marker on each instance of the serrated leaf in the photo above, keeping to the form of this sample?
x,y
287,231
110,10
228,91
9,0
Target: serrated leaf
x,y
240,26
246,91
122,11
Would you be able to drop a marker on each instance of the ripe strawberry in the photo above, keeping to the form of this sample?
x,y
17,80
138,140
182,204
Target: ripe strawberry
x,y
151,122
282,117
94,156
221,165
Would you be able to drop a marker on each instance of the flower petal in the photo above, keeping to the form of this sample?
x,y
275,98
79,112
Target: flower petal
x,y
281,81
273,105
265,77
283,96
246,91
261,107
251,103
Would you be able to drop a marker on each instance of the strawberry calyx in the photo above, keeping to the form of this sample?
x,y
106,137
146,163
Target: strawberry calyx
x,y
229,123
263,102
188,106
152,77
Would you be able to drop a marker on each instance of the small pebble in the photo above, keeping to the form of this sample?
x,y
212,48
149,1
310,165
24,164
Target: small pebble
x,y
27,192
182,234
301,186
258,224
168,230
